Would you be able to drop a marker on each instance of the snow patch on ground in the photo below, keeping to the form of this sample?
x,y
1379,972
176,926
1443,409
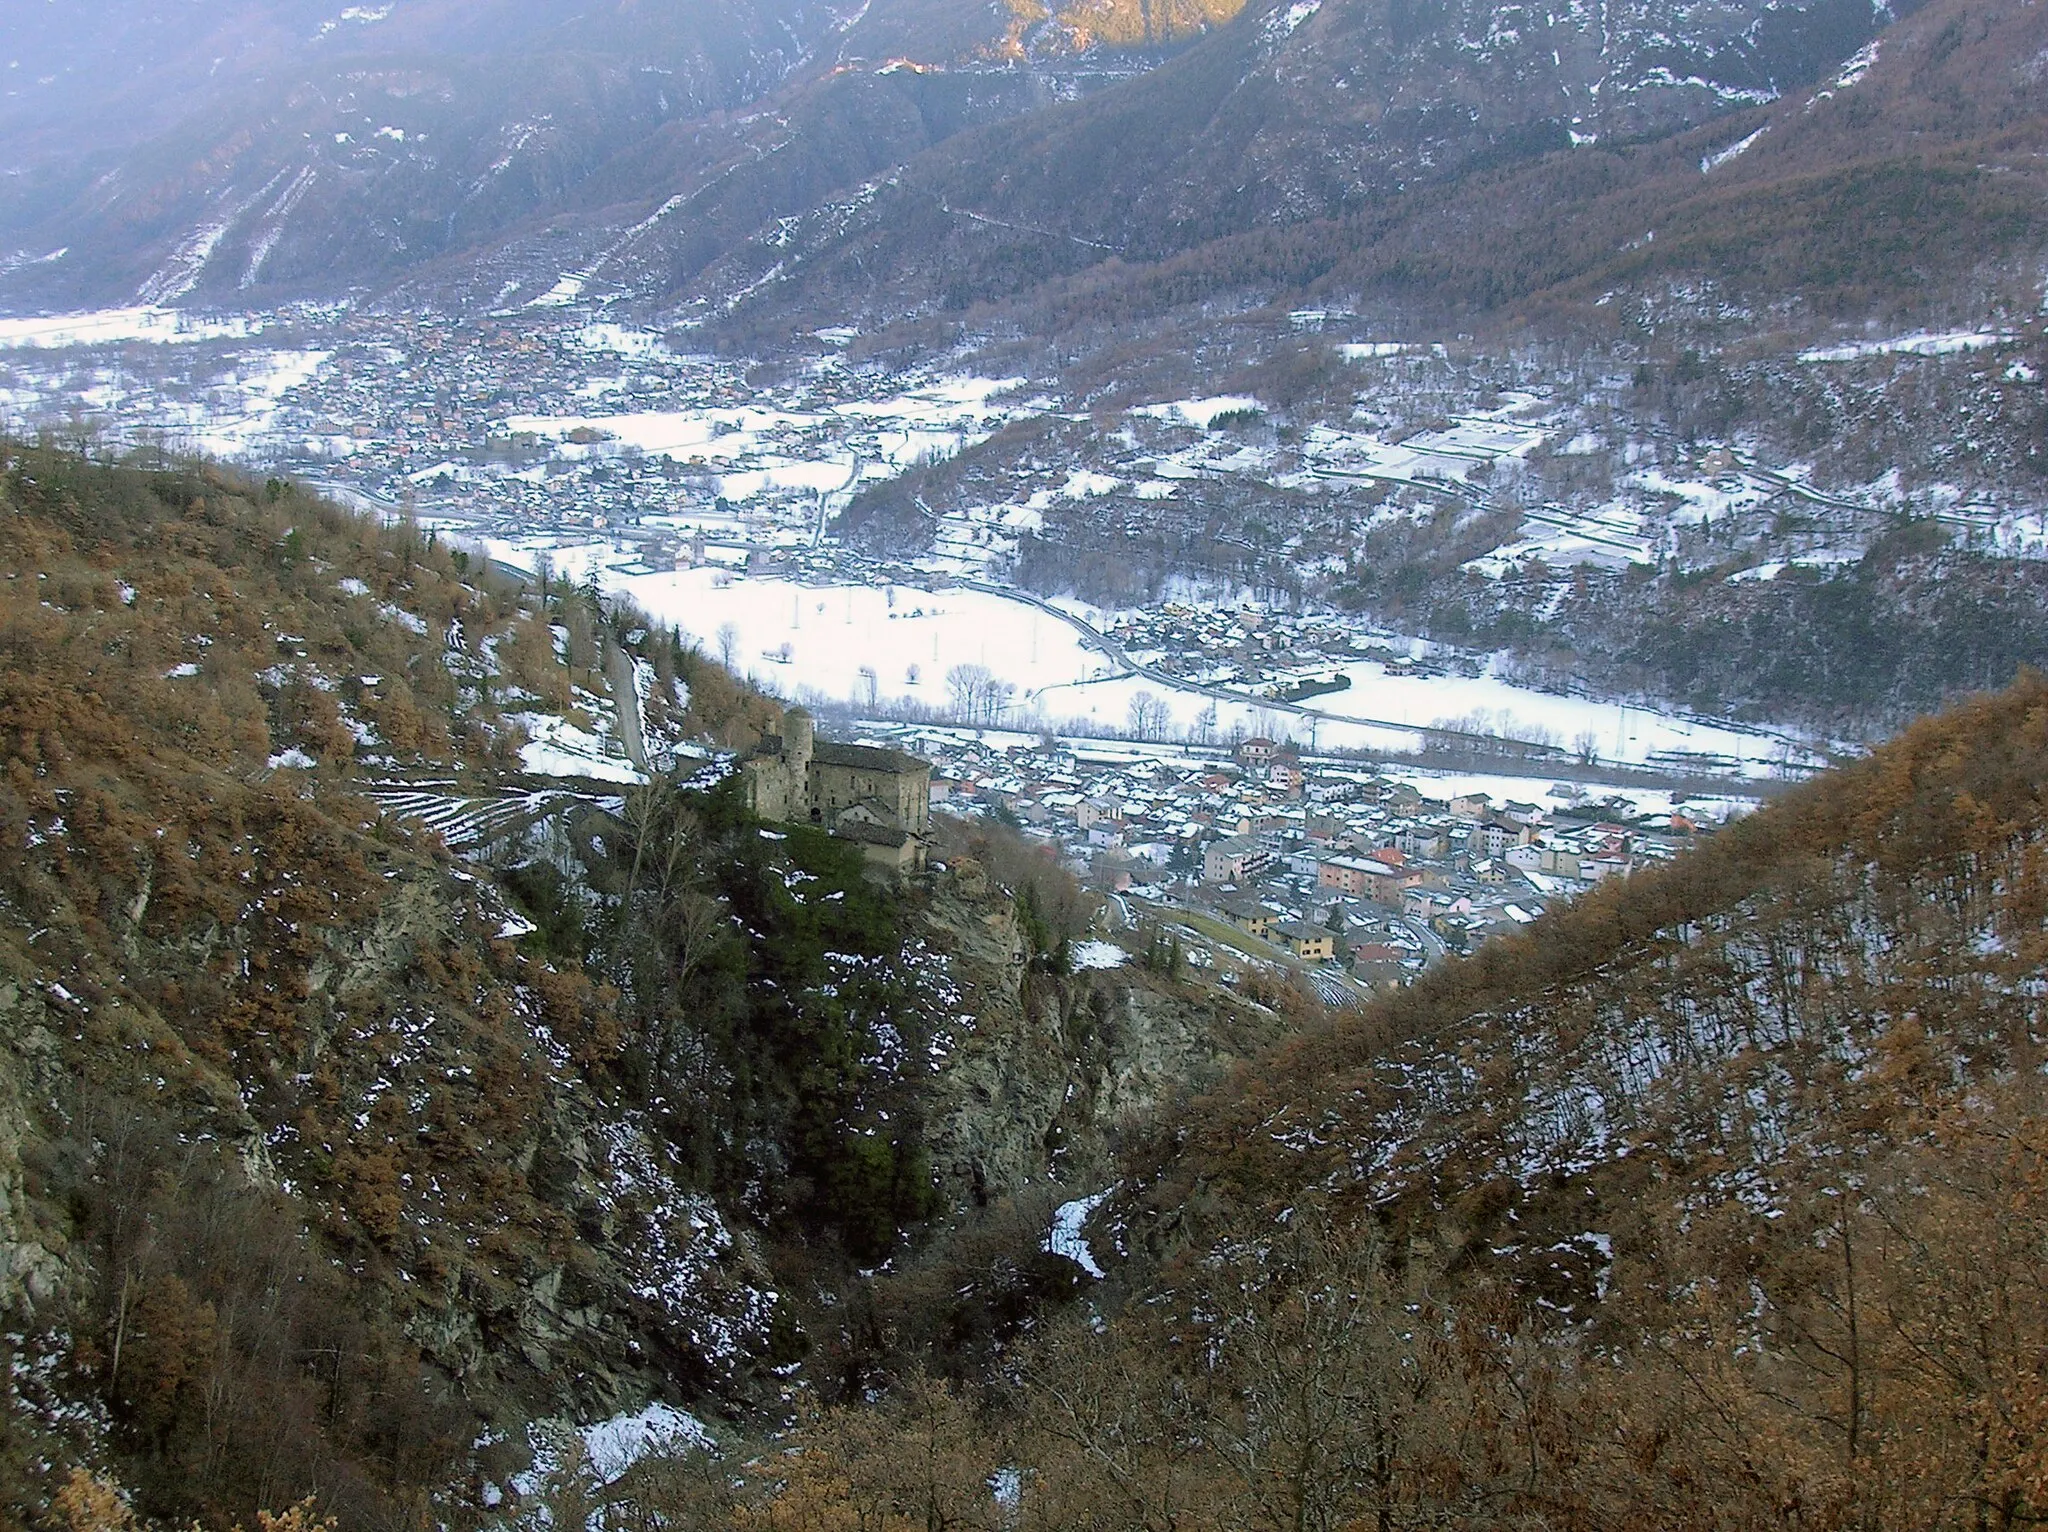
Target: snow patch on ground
x,y
1099,955
794,636
1923,343
557,748
609,1448
767,449
618,340
1712,162
1283,23
1065,1237
1200,413
1084,484
113,326
566,291
1857,65
615,1445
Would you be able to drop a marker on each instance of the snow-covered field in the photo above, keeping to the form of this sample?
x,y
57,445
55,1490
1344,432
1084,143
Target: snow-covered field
x,y
234,415
825,639
1107,704
1503,789
256,387
1515,712
1610,537
1512,430
895,643
1920,343
1202,413
1407,706
113,326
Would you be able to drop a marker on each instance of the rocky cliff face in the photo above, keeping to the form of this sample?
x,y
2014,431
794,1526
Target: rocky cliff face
x,y
488,1201
1057,1073
32,1242
537,1248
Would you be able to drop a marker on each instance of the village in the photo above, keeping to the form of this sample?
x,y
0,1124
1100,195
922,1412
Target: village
x,y
1258,854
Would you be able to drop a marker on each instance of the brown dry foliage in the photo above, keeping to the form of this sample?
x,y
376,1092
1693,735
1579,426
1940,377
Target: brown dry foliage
x,y
1816,1297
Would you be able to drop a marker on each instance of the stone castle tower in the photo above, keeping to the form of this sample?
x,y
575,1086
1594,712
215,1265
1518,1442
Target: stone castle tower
x,y
779,773
799,739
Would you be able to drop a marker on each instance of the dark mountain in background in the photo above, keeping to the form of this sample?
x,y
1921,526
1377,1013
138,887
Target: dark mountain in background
x,y
1458,165
780,163
312,152
263,151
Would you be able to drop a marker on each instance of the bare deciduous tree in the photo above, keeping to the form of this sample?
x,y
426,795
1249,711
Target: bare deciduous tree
x,y
977,694
1326,1370
1149,717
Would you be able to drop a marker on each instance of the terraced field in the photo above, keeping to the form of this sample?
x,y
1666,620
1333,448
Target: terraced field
x,y
466,820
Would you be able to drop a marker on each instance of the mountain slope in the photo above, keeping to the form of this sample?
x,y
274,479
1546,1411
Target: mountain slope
x,y
274,149
1460,174
507,150
278,1081
1679,1123
1714,1201
333,152
385,1057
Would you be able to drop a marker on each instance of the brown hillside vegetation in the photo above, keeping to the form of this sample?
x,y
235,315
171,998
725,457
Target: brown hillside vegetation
x,y
1717,1200
337,1163
273,1094
1720,1200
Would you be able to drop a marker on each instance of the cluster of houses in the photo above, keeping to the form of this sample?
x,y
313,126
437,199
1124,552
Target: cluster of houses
x,y
1320,861
1248,646
440,412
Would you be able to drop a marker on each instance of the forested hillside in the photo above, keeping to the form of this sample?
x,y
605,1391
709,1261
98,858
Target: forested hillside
x,y
332,1157
1715,1201
279,1082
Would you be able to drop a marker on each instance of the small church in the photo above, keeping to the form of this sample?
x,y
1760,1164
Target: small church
x,y
880,799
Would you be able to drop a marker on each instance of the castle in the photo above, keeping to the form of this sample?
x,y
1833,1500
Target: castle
x,y
878,798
